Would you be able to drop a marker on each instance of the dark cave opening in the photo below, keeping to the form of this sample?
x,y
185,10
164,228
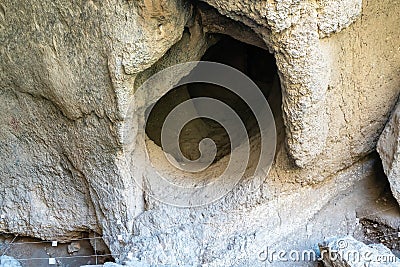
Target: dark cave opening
x,y
258,64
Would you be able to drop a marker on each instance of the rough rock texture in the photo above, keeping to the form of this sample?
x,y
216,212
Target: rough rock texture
x,y
233,231
65,75
389,151
292,30
309,65
6,261
68,70
349,252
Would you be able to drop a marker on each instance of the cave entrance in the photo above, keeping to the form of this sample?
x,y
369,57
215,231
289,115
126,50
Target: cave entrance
x,y
255,62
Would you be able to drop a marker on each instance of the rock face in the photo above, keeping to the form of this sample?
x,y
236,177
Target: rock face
x,y
65,75
349,252
389,151
294,31
68,73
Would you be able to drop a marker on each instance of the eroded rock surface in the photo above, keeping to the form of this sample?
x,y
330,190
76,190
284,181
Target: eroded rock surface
x,y
292,30
389,151
68,71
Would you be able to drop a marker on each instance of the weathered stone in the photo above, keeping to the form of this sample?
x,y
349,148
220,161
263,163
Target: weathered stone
x,y
6,261
73,65
292,30
389,151
73,247
217,237
68,70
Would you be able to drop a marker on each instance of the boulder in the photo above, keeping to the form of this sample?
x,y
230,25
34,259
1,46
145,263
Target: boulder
x,y
389,151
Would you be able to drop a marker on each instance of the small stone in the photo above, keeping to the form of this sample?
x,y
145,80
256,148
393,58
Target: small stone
x,y
73,247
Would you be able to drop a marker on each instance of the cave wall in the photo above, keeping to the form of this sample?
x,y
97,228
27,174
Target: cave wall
x,y
68,71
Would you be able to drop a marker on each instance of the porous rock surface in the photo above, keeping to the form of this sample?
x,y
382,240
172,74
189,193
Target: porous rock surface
x,y
389,151
293,30
65,73
68,70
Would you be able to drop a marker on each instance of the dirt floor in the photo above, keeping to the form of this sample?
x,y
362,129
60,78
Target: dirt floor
x,y
31,252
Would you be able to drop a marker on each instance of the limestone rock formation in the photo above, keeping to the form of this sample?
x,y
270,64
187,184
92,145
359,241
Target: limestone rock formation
x,y
67,70
69,74
293,30
389,151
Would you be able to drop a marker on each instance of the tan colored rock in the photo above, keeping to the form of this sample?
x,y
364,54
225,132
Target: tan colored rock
x,y
292,30
68,70
73,247
389,150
